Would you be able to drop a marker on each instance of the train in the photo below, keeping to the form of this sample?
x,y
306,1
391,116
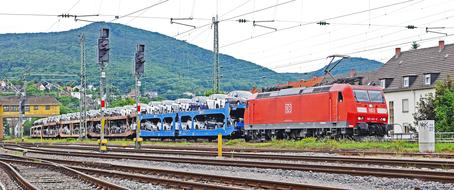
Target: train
x,y
334,111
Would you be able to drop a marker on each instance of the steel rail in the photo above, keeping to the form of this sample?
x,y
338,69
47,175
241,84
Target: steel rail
x,y
443,164
97,168
71,172
341,152
351,170
21,181
248,182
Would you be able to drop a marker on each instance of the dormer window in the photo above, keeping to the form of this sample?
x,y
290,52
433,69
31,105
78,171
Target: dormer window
x,y
427,79
406,82
383,83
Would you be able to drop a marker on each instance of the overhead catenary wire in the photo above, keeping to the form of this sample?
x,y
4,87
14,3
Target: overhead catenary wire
x,y
140,10
361,41
314,22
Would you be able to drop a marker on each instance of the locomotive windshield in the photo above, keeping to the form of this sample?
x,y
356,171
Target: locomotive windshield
x,y
368,96
375,96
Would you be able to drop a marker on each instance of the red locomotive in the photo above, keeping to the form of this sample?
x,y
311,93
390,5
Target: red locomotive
x,y
338,110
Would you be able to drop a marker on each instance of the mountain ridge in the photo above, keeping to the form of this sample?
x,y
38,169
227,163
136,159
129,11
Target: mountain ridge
x,y
172,66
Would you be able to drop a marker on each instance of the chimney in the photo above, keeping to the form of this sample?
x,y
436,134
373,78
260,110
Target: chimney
x,y
352,73
441,45
397,53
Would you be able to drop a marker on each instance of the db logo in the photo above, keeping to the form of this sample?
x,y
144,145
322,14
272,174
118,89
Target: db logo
x,y
288,108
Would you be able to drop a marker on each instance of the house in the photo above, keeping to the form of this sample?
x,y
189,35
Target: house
x,y
410,75
34,106
154,94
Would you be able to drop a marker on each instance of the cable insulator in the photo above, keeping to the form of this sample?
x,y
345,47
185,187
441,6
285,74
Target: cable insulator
x,y
411,27
322,23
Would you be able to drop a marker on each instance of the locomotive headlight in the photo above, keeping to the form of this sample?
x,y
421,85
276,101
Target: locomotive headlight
x,y
383,119
360,118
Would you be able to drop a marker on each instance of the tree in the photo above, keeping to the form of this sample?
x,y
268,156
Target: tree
x,y
122,102
425,108
444,105
414,45
439,108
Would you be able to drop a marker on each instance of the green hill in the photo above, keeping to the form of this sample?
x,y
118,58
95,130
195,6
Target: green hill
x,y
172,66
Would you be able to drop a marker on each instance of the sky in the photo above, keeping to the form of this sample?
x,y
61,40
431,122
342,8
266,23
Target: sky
x,y
286,37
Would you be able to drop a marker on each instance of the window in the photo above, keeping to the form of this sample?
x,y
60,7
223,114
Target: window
x,y
47,107
406,82
404,105
383,83
391,112
6,108
427,80
27,108
361,95
340,97
15,108
376,96
36,107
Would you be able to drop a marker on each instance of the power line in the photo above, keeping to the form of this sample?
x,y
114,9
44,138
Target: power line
x,y
362,41
314,22
134,12
258,10
244,14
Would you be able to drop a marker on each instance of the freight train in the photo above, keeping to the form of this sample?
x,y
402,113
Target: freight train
x,y
338,110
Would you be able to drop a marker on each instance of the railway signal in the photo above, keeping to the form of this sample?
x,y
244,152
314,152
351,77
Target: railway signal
x,y
140,60
103,59
139,68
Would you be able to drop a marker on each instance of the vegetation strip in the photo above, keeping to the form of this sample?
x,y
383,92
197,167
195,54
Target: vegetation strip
x,y
381,172
379,161
344,147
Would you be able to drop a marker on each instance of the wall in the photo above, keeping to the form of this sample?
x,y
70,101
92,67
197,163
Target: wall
x,y
413,97
41,112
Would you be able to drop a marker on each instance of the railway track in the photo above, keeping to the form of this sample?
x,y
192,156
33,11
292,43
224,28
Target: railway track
x,y
16,177
441,176
47,175
177,179
263,150
442,164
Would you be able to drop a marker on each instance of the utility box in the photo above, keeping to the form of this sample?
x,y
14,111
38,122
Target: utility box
x,y
426,136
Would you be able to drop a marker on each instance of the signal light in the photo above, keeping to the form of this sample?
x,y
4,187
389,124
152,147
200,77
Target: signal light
x,y
103,46
139,60
242,20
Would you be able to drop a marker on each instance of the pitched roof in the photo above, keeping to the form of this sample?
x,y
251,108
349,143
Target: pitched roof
x,y
417,63
30,100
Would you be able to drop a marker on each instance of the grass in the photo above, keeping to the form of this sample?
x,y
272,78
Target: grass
x,y
304,144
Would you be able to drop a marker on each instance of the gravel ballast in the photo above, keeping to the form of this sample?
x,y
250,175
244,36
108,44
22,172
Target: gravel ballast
x,y
314,178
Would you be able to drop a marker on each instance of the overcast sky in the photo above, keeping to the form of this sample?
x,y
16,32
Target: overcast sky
x,y
360,28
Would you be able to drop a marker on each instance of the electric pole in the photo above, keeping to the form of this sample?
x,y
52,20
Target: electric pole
x,y
216,67
138,72
22,99
82,91
103,59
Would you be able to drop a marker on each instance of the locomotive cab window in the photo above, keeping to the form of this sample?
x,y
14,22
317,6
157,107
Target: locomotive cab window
x,y
361,95
376,96
340,98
